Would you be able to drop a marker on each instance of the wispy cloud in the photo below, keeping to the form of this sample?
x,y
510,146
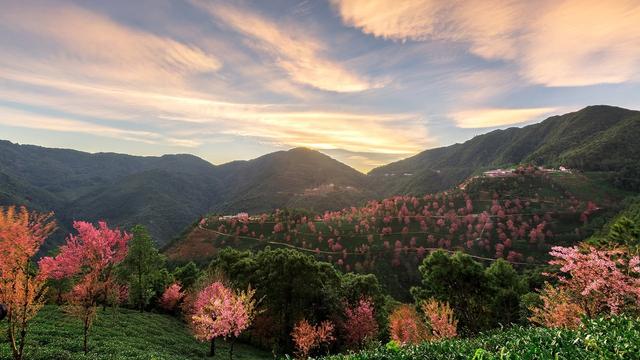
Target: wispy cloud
x,y
82,45
296,52
485,118
554,43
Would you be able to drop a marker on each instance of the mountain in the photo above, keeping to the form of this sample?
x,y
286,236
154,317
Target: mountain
x,y
167,193
596,138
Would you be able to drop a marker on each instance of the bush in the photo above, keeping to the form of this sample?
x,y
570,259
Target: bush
x,y
612,338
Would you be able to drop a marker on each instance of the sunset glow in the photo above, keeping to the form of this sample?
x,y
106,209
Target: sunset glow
x,y
365,81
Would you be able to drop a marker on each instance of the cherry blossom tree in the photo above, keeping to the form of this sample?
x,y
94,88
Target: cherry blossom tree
x,y
89,257
405,325
219,312
558,309
307,337
21,286
171,297
599,281
360,323
441,320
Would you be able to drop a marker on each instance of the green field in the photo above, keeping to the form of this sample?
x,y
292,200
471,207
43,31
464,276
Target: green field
x,y
124,334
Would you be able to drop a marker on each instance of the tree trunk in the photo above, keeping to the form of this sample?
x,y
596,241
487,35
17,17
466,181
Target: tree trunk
x,y
212,351
86,334
233,341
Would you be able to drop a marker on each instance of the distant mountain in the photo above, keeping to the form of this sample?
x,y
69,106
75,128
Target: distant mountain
x,y
596,138
167,193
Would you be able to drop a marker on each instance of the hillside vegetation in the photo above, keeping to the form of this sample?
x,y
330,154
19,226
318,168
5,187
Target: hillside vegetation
x,y
517,218
614,338
596,138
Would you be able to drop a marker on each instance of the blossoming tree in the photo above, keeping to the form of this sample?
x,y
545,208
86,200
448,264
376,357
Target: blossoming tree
x,y
307,337
171,297
21,286
360,323
90,258
219,312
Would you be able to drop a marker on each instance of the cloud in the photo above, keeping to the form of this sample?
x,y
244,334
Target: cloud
x,y
552,42
26,119
198,117
86,46
297,53
485,118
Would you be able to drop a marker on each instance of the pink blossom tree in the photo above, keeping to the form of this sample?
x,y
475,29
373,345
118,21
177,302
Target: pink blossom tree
x,y
360,323
90,257
440,318
219,312
307,337
21,285
171,297
599,281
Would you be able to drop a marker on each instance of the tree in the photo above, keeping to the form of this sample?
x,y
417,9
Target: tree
x,y
307,337
360,324
218,312
406,326
440,318
599,281
187,275
89,257
557,310
22,285
142,267
460,281
506,287
171,297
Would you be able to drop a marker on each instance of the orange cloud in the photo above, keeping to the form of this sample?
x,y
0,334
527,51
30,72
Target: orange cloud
x,y
297,53
553,42
483,118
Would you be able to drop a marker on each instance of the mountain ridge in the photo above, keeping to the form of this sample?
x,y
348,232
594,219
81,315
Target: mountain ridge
x,y
168,192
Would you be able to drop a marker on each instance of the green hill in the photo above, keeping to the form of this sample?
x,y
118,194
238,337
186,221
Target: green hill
x,y
516,217
596,138
166,193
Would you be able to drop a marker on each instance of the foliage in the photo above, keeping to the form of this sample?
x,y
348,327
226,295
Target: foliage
x,y
187,275
599,281
171,297
21,285
558,309
308,337
460,281
440,319
141,268
360,325
603,338
90,257
406,326
219,312
293,286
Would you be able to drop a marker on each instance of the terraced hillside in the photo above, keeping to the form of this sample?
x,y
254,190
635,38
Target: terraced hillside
x,y
516,217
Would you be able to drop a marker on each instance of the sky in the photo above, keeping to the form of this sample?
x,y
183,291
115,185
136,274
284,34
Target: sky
x,y
367,82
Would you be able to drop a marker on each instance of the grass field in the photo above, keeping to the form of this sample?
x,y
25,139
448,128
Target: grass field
x,y
124,334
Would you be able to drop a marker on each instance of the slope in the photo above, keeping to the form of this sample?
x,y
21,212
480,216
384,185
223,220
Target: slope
x,y
596,138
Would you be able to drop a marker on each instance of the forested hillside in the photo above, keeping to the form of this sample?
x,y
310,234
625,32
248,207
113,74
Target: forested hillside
x,y
596,138
167,193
